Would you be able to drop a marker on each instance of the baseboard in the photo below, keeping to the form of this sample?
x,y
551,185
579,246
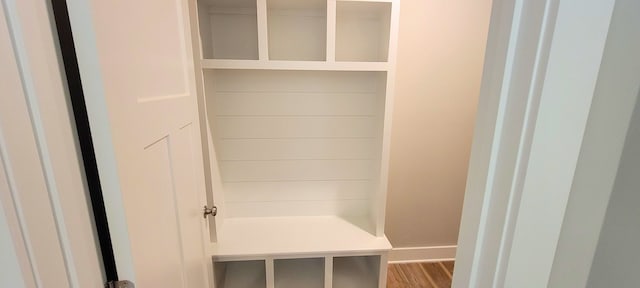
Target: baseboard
x,y
422,254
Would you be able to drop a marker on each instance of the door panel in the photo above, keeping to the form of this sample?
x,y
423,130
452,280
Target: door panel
x,y
152,232
146,75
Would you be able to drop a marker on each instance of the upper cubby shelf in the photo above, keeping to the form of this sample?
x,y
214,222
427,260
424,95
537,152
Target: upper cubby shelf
x,y
228,29
297,29
294,65
362,31
312,34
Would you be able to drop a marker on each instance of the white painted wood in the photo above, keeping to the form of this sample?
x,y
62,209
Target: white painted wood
x,y
242,274
291,143
242,44
282,80
475,205
297,29
24,195
204,37
422,254
295,103
599,165
208,153
328,271
557,139
263,31
295,127
143,112
300,272
620,233
523,71
492,203
379,201
362,31
383,270
296,149
357,272
331,31
41,187
270,271
384,1
320,132
282,208
216,195
11,274
56,131
296,170
220,42
294,235
295,65
316,127
297,191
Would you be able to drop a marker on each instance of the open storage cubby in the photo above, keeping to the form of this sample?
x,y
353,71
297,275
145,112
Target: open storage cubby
x,y
362,31
228,29
299,272
240,274
356,271
297,29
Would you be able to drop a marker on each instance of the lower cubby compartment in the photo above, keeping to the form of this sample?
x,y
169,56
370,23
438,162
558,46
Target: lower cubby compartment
x,y
356,272
313,271
240,274
299,272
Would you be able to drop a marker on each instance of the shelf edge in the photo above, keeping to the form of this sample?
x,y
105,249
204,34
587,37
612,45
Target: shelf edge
x,y
293,65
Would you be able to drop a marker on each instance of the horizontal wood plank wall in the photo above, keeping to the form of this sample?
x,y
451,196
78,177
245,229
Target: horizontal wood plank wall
x,y
296,143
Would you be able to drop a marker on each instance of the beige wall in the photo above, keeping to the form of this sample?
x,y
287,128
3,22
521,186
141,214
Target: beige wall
x,y
440,57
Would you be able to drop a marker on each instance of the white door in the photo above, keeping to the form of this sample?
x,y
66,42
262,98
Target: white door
x,y
137,73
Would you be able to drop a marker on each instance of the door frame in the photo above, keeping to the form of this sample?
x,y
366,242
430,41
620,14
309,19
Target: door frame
x,y
495,244
43,194
83,130
529,131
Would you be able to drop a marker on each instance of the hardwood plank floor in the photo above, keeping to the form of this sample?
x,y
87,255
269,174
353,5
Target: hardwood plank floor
x,y
420,275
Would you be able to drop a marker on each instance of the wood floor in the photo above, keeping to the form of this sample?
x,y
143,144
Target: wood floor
x,y
420,275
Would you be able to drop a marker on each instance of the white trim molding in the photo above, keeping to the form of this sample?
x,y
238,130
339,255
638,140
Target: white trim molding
x,y
540,71
422,254
42,189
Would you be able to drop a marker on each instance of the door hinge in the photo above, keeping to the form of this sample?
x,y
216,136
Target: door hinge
x,y
213,211
119,284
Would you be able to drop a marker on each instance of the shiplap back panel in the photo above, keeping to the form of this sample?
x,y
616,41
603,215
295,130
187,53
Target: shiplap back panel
x,y
296,143
296,149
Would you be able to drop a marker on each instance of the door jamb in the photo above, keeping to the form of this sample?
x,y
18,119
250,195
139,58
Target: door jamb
x,y
511,221
81,117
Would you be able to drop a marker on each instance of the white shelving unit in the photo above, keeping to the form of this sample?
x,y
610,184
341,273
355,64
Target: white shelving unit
x,y
298,100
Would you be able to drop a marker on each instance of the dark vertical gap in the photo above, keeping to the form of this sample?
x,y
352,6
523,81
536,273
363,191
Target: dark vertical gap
x,y
74,83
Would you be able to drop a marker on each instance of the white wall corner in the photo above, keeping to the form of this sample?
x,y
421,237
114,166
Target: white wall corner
x,y
422,254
